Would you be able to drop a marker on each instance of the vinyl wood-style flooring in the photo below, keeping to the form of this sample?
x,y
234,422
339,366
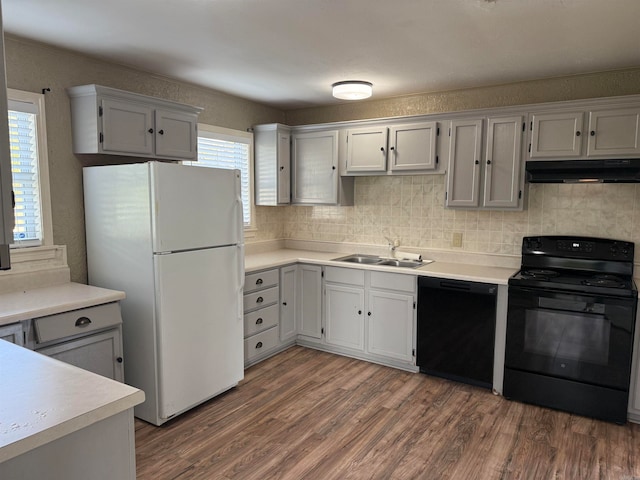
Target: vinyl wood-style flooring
x,y
305,414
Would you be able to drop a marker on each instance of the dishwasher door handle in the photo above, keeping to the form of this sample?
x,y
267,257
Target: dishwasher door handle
x,y
456,286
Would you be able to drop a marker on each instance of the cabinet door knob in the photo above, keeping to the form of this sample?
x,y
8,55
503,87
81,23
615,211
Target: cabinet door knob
x,y
161,132
83,322
259,321
392,148
259,281
259,345
359,312
284,303
150,130
369,313
578,133
333,167
593,133
477,162
281,167
488,162
382,149
259,300
119,359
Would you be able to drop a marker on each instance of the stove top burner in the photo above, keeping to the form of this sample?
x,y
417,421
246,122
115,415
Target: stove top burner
x,y
604,281
540,273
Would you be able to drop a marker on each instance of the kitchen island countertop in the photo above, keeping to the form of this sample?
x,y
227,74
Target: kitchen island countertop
x,y
39,302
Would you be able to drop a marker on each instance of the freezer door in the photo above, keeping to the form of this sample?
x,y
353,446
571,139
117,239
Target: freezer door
x,y
194,207
199,326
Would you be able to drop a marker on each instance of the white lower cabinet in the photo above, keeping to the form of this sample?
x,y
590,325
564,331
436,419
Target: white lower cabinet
x,y
261,315
309,301
344,316
89,338
288,328
371,314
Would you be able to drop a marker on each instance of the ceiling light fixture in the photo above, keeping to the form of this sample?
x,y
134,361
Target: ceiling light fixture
x,y
352,90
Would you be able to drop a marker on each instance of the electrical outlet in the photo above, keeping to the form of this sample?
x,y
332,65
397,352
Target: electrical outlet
x,y
456,240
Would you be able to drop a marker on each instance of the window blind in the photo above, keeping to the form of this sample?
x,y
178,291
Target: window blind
x,y
233,155
23,146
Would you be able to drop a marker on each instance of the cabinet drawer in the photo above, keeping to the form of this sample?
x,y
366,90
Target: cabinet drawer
x,y
260,343
350,276
393,281
262,319
75,322
261,299
260,280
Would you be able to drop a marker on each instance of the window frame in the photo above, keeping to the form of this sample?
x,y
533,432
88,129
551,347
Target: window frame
x,y
37,99
229,134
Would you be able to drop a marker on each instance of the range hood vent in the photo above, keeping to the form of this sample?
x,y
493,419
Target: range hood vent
x,y
583,171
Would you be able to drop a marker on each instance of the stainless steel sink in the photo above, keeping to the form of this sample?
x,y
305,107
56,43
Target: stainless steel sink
x,y
375,260
359,258
400,263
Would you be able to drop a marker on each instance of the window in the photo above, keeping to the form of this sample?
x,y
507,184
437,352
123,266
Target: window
x,y
29,167
231,149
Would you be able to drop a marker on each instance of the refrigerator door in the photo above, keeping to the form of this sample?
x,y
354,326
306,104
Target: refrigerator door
x,y
199,326
194,207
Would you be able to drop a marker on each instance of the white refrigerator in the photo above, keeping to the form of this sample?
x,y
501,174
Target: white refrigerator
x,y
170,237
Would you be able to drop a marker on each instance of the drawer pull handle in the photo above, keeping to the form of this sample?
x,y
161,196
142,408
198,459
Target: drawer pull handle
x,y
259,281
260,300
82,322
259,321
259,345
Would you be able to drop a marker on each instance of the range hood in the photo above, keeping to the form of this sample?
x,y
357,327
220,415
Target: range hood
x,y
583,171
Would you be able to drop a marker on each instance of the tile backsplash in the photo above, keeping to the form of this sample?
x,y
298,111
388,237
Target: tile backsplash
x,y
411,209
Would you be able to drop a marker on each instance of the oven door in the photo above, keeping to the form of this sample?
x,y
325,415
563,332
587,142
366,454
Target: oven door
x,y
573,336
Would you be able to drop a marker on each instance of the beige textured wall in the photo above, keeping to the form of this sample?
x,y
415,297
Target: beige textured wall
x,y
412,208
605,84
32,67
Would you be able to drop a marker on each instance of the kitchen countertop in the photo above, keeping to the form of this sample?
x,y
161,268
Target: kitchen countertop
x,y
456,271
39,302
44,399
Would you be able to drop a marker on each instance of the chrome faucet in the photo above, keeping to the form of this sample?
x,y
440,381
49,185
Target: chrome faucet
x,y
393,244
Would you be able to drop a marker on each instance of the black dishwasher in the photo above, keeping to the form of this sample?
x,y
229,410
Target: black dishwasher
x,y
456,330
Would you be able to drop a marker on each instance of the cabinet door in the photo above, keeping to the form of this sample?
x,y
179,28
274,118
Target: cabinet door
x,y
12,333
390,325
284,167
127,127
463,179
288,328
309,300
344,307
503,162
367,150
614,133
100,353
413,146
176,135
557,135
315,163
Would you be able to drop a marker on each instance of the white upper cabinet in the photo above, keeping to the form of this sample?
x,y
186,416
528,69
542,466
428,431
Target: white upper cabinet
x,y
315,170
503,162
367,150
463,179
413,147
492,180
109,121
614,132
556,135
272,163
393,148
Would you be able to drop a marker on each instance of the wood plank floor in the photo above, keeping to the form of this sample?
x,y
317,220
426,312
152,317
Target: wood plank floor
x,y
305,414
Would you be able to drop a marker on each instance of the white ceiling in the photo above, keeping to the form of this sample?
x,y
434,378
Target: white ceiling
x,y
287,53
